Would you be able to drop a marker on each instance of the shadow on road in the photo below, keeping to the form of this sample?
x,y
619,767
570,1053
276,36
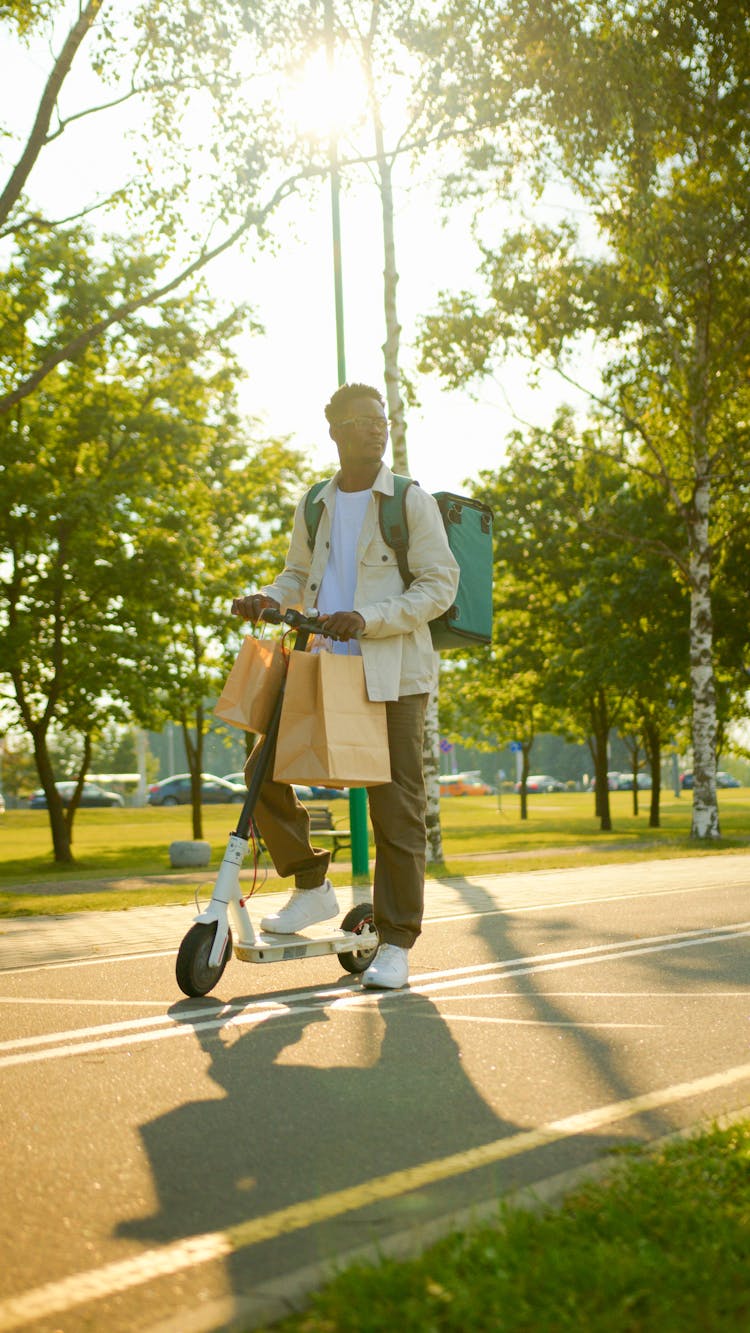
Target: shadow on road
x,y
590,1066
330,1090
323,1097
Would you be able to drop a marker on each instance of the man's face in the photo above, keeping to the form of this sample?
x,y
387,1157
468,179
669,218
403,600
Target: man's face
x,y
361,432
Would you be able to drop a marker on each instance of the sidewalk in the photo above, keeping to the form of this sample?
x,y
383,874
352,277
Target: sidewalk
x,y
33,941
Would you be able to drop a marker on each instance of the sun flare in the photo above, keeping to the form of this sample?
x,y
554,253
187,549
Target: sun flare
x,y
323,101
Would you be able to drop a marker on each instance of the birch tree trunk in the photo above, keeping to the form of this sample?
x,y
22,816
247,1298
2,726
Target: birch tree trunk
x,y
432,786
391,348
702,681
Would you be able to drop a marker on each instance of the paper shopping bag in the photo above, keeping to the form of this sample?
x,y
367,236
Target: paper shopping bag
x,y
252,686
330,733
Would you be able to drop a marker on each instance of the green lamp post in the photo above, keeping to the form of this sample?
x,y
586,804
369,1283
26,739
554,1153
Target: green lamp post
x,y
357,795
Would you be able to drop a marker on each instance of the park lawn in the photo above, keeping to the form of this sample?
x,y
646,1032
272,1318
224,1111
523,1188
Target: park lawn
x,y
480,835
662,1243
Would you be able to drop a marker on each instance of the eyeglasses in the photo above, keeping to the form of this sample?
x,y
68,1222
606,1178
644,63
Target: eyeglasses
x,y
363,422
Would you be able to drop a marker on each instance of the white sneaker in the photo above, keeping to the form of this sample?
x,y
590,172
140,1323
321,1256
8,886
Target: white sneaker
x,y
389,968
305,907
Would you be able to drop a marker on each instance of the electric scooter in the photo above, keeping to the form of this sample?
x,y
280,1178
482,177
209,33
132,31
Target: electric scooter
x,y
207,946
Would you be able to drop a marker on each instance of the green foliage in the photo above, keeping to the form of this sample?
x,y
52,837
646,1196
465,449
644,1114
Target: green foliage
x,y
115,751
18,771
24,15
133,501
586,607
642,110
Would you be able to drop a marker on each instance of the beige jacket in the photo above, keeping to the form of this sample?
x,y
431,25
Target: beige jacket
x,y
396,646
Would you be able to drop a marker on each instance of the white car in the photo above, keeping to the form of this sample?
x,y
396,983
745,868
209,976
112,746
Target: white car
x,y
542,782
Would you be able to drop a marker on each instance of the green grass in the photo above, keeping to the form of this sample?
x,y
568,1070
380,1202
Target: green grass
x,y
480,835
662,1246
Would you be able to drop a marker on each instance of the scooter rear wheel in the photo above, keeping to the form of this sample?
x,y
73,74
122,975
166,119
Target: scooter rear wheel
x,y
194,975
357,921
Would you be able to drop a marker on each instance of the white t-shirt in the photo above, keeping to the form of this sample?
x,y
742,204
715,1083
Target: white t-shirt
x,y
339,581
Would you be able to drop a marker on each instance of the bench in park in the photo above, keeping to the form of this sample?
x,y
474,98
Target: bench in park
x,y
322,826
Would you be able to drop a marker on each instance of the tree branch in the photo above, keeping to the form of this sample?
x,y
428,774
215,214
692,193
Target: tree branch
x,y
179,85
40,128
76,345
620,412
36,219
62,125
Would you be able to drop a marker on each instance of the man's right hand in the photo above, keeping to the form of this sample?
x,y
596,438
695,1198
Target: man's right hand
x,y
250,607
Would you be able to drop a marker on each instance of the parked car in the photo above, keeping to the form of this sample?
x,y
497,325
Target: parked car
x,y
92,796
722,780
542,782
614,781
214,791
625,782
303,793
463,784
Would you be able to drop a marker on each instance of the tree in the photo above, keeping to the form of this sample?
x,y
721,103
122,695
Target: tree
x,y
233,521
147,75
589,630
643,111
96,469
503,692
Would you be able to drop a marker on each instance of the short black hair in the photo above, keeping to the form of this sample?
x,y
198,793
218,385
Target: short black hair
x,y
345,394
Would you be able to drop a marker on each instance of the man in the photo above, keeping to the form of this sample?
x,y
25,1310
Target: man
x,y
352,577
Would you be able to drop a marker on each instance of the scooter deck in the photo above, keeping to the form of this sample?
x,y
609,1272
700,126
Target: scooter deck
x,y
269,948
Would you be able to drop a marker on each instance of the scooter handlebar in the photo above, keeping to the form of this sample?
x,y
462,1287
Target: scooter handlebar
x,y
308,623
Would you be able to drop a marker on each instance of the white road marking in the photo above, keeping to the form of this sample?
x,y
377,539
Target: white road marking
x,y
89,961
65,1002
56,1298
666,994
538,1022
71,1042
512,909
664,947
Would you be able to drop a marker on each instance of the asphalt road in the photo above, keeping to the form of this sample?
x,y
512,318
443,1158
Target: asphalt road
x,y
169,1162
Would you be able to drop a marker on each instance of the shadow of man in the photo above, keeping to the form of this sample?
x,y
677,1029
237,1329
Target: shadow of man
x,y
323,1097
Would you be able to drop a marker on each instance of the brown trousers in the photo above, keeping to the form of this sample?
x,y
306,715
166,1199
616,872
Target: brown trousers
x,y
397,813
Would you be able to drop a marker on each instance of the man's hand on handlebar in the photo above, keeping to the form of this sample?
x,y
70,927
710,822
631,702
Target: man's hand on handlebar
x,y
251,606
342,625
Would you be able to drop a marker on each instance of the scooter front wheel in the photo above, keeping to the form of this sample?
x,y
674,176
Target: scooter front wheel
x,y
194,974
360,922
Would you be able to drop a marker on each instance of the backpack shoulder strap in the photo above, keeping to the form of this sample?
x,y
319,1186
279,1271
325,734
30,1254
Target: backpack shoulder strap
x,y
313,512
394,526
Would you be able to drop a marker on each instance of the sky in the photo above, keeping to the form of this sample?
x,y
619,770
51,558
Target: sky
x,y
292,367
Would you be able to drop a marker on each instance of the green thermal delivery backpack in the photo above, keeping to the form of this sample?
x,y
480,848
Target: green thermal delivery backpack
x,y
468,525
